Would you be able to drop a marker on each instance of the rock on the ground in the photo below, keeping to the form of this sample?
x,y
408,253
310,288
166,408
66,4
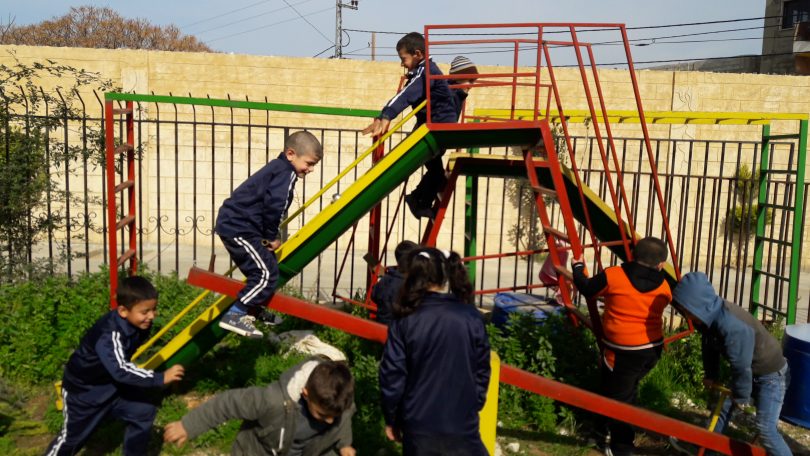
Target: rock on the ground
x,y
513,447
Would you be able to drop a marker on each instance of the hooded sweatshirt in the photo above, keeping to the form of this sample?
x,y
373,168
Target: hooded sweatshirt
x,y
270,417
727,329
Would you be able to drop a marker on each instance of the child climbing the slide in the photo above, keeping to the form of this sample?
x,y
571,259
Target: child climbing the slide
x,y
248,224
411,50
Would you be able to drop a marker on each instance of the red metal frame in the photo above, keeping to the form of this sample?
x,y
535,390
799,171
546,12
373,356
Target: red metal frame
x,y
606,143
618,196
114,224
375,219
432,228
510,375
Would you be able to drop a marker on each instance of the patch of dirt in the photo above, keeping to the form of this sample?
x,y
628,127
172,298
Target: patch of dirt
x,y
193,400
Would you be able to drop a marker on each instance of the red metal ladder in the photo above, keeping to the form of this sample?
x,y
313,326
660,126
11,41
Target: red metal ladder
x,y
120,219
554,235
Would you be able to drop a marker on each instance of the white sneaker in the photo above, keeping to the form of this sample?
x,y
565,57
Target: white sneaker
x,y
242,324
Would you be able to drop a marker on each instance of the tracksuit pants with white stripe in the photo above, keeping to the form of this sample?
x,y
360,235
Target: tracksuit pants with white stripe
x,y
82,417
260,267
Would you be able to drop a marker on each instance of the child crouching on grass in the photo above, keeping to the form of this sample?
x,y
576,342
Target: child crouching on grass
x,y
101,381
307,412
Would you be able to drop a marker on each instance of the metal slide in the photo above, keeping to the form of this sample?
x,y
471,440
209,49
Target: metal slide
x,y
603,218
361,197
306,244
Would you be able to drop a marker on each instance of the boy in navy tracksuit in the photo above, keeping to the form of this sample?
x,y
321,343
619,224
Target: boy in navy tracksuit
x,y
248,224
100,380
386,291
411,49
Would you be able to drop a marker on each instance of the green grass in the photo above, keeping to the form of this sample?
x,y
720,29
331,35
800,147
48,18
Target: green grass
x,y
44,321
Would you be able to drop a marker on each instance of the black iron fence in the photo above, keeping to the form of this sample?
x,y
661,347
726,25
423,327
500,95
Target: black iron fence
x,y
190,159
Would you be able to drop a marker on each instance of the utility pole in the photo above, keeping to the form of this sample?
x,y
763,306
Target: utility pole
x,y
373,46
339,5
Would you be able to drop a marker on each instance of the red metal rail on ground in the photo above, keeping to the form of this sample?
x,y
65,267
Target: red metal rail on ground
x,y
569,395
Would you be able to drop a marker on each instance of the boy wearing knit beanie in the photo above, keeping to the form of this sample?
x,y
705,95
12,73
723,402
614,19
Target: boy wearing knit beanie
x,y
459,67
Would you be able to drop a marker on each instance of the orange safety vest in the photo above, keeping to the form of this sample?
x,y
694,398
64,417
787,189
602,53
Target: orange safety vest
x,y
632,319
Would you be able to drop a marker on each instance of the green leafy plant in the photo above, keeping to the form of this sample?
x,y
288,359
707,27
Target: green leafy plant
x,y
741,220
32,164
553,349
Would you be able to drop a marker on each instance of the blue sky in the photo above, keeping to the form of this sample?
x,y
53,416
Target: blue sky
x,y
273,27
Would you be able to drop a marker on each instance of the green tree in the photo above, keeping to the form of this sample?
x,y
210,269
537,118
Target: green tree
x,y
94,27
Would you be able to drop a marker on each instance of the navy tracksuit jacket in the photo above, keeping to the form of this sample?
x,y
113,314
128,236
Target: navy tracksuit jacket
x,y
442,102
442,109
252,213
100,380
386,292
435,372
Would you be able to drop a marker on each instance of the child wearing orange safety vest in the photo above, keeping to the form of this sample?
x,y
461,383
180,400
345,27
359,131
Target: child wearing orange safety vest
x,y
635,295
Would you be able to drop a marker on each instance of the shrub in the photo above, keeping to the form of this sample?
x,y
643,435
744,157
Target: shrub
x,y
553,349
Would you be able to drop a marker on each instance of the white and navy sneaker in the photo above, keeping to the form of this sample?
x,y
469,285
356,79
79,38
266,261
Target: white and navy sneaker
x,y
242,324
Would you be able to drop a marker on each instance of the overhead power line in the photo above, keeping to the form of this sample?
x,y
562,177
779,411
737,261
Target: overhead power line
x,y
238,21
227,13
306,20
645,27
645,62
268,25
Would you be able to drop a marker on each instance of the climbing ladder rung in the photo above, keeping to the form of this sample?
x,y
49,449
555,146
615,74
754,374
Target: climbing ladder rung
x,y
119,111
121,148
124,185
556,233
539,163
781,171
771,275
774,241
125,221
609,244
787,136
545,191
779,206
564,272
126,256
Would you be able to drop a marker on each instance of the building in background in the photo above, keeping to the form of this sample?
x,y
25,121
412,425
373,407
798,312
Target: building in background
x,y
785,45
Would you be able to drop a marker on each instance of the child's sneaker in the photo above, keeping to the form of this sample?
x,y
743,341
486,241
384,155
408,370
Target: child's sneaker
x,y
418,208
241,324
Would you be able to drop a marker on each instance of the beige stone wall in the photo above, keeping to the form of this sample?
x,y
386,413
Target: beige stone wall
x,y
367,85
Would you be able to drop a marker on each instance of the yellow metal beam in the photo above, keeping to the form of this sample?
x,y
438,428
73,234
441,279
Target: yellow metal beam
x,y
652,117
346,198
289,246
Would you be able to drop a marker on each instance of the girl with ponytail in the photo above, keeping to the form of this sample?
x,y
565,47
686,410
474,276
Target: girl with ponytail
x,y
435,369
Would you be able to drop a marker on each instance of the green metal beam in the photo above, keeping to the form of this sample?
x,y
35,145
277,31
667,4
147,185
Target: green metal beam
x,y
798,227
258,105
762,215
471,221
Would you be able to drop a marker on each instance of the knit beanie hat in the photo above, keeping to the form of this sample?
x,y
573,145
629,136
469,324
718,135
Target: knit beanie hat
x,y
463,65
